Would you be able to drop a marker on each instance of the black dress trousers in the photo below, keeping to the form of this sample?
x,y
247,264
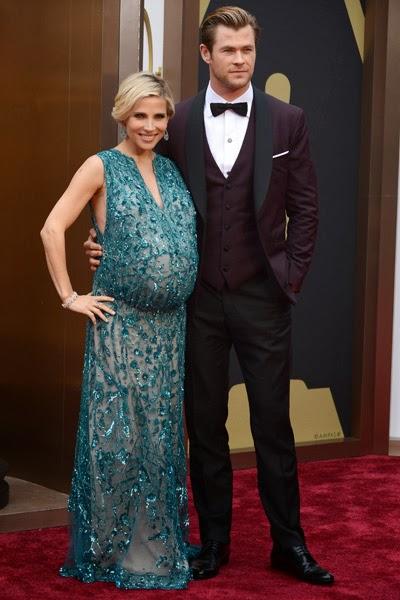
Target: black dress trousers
x,y
256,320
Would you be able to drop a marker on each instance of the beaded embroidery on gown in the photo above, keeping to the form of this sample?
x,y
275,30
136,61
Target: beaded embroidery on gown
x,y
128,501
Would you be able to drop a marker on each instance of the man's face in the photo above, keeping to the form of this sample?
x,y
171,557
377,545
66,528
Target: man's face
x,y
231,59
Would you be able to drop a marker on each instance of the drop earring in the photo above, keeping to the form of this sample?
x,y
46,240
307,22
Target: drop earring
x,y
166,135
121,132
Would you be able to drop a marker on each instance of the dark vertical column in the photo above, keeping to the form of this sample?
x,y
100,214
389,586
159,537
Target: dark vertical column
x,y
181,26
387,231
110,70
377,224
173,20
131,37
190,49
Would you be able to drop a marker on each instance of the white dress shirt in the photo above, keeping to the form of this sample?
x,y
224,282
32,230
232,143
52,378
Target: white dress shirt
x,y
225,133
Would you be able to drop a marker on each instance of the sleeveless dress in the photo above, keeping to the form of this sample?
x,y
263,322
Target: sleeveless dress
x,y
128,504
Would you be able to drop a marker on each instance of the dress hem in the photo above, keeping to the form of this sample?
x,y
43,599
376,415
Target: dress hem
x,y
124,580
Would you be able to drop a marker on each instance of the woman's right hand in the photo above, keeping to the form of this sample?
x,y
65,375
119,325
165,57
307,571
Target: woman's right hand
x,y
92,307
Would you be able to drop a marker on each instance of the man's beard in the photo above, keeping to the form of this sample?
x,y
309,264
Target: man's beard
x,y
233,85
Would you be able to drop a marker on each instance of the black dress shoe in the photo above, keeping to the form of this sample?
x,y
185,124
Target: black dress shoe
x,y
298,561
212,556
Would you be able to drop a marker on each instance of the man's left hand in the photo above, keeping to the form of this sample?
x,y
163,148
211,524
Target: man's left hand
x,y
93,250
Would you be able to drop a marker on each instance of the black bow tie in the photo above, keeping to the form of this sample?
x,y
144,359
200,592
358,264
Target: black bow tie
x,y
217,108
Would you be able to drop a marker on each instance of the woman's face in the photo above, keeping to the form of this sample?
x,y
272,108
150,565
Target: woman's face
x,y
147,122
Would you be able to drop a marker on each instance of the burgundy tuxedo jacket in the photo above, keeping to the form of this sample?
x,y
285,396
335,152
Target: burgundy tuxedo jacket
x,y
284,181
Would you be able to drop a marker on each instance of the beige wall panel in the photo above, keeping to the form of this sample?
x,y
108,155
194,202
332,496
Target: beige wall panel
x,y
312,413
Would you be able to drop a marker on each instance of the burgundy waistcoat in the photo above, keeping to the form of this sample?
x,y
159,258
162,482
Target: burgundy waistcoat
x,y
232,251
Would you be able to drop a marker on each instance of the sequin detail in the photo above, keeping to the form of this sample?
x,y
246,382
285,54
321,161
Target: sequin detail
x,y
128,501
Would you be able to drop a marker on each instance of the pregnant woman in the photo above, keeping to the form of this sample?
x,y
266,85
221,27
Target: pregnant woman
x,y
128,501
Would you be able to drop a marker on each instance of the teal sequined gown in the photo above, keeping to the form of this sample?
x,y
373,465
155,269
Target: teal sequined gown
x,y
129,497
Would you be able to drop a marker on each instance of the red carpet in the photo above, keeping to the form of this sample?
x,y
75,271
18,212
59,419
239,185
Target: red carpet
x,y
351,514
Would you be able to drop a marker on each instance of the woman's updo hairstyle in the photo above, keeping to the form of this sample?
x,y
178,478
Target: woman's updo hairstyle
x,y
136,87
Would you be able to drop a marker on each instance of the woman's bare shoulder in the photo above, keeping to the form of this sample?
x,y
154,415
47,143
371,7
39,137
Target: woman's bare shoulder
x,y
92,168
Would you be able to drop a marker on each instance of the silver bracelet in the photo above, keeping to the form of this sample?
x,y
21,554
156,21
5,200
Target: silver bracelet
x,y
69,300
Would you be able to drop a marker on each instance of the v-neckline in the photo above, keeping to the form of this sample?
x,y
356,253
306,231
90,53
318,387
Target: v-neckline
x,y
146,187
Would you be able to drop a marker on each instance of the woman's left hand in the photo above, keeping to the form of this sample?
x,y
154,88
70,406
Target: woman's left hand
x,y
92,306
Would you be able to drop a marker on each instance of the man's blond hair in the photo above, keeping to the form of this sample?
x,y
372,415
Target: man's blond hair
x,y
229,16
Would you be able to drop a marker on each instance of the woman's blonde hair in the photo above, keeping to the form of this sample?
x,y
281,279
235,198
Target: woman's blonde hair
x,y
136,87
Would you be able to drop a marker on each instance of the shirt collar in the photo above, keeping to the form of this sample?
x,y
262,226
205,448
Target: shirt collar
x,y
212,96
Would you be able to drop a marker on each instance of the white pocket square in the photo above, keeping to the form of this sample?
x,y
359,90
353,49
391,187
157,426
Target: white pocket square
x,y
280,154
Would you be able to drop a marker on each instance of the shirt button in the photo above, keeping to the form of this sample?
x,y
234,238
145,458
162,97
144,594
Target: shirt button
x,y
226,248
229,140
228,186
226,227
227,206
225,268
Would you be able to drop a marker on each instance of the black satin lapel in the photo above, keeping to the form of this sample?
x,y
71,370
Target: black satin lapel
x,y
194,147
263,149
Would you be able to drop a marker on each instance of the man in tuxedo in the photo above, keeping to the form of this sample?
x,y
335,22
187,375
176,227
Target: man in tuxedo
x,y
245,158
